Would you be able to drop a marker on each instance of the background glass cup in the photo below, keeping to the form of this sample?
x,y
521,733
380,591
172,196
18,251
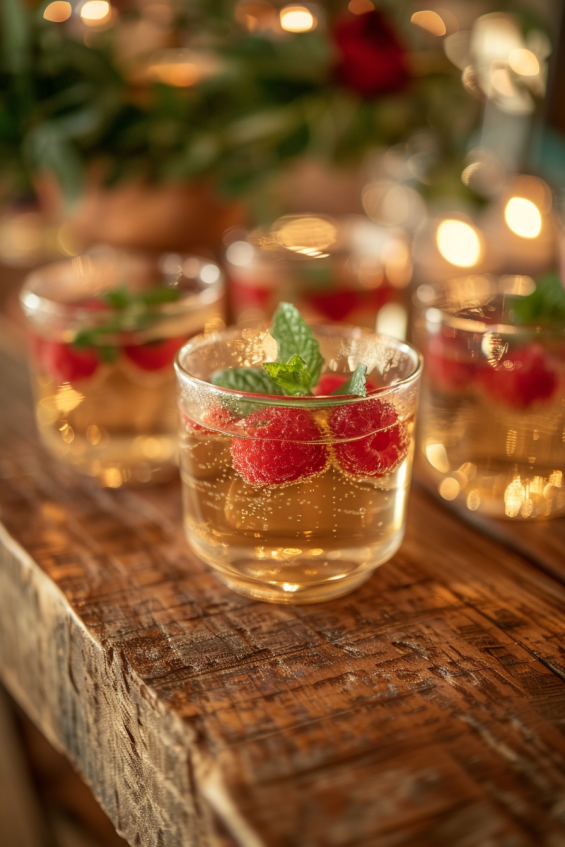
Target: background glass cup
x,y
103,376
493,402
332,269
296,499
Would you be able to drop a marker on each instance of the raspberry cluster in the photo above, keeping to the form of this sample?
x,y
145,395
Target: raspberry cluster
x,y
67,363
281,445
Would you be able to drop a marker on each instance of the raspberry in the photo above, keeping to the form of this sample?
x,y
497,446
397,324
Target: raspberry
x,y
276,452
335,305
63,362
446,365
330,381
217,416
522,377
154,355
384,446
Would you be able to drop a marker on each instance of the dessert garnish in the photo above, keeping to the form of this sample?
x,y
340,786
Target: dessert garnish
x,y
286,444
296,373
133,311
545,305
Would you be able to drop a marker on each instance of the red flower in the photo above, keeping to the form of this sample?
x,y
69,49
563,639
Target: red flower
x,y
372,60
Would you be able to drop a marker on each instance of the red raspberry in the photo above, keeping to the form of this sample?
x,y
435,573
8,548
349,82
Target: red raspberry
x,y
447,365
217,416
522,377
335,305
384,446
63,362
277,452
330,381
154,355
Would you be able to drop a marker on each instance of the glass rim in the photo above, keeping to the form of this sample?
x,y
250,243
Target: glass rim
x,y
34,303
434,311
319,401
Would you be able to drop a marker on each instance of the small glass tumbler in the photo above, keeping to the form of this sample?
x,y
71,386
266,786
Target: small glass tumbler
x,y
492,419
104,330
296,499
334,271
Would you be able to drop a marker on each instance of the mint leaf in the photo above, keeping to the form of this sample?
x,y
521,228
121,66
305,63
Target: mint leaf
x,y
293,377
355,384
118,298
294,337
544,305
253,380
107,354
159,294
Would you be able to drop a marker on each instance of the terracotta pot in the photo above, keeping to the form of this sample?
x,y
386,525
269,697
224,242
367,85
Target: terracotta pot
x,y
140,215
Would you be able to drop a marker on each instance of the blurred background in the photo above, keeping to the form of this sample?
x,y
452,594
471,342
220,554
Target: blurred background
x,y
334,154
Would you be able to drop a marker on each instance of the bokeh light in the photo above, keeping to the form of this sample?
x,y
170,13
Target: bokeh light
x,y
305,234
430,21
523,62
297,19
459,243
58,11
95,11
523,217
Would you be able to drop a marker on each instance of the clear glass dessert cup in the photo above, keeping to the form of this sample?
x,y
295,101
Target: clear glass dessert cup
x,y
492,421
104,330
296,499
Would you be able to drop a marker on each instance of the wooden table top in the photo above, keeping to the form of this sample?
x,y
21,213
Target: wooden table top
x,y
427,708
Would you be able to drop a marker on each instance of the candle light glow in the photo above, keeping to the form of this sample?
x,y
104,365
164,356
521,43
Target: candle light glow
x,y
523,217
95,11
58,11
297,19
458,243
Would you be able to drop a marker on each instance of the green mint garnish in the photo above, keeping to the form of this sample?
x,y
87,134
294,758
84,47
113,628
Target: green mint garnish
x,y
294,337
134,311
107,354
298,367
355,384
544,305
119,298
159,294
293,376
251,380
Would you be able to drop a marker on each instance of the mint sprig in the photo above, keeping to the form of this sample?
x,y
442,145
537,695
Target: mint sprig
x,y
294,337
356,384
133,312
293,376
545,305
249,380
297,370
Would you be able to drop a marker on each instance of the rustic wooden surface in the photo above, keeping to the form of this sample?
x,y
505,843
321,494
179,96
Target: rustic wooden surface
x,y
427,708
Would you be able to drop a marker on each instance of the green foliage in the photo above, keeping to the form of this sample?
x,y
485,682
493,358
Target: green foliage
x,y
65,105
545,305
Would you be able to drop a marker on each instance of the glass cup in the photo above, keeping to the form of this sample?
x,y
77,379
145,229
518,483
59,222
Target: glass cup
x,y
104,330
332,270
493,401
296,499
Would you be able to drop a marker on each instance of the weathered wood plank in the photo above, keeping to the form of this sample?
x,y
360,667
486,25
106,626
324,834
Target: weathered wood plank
x,y
427,708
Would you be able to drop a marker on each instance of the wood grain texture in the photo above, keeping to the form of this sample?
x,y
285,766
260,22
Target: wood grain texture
x,y
427,708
